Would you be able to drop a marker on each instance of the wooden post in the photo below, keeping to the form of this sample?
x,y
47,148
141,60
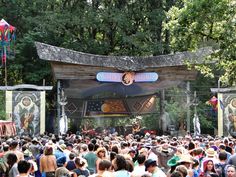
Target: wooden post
x,y
188,106
6,73
57,129
162,110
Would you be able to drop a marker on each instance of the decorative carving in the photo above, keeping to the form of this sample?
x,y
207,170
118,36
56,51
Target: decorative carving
x,y
63,119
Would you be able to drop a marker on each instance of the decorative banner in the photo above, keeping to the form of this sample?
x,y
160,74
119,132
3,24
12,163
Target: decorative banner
x,y
120,107
7,35
227,114
108,107
213,102
127,78
27,111
142,104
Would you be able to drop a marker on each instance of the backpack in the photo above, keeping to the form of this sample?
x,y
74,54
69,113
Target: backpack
x,y
220,169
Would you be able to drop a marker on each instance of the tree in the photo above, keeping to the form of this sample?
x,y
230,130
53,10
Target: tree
x,y
199,23
2,106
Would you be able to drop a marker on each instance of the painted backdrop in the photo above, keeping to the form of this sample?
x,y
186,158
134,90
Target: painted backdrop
x,y
227,114
27,110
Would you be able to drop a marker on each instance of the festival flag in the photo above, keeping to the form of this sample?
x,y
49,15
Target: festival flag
x,y
7,36
213,102
105,107
222,106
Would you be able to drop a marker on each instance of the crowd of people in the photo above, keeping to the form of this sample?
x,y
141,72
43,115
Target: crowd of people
x,y
114,155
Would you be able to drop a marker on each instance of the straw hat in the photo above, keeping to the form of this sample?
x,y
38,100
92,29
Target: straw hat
x,y
210,152
100,149
186,158
143,150
165,148
61,147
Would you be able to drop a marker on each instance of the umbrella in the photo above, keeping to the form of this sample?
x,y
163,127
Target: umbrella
x,y
7,35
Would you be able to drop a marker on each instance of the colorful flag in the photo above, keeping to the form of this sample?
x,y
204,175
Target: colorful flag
x,y
7,36
222,105
213,102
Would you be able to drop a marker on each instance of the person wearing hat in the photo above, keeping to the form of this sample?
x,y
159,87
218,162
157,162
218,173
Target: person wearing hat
x,y
35,146
151,167
64,156
60,155
172,163
101,155
210,155
186,160
164,153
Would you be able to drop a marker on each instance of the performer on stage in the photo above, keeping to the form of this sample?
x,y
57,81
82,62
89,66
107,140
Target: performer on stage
x,y
136,126
87,128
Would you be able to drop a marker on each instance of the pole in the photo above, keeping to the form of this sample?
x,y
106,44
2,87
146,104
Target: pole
x,y
195,103
57,130
162,110
6,73
188,106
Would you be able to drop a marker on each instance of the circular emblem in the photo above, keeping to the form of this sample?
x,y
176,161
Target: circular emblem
x,y
127,78
233,102
105,108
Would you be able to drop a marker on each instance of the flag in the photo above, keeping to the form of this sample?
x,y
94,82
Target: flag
x,y
108,107
222,105
7,35
94,106
213,102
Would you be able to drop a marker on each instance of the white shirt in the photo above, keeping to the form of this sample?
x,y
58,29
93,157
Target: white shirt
x,y
138,171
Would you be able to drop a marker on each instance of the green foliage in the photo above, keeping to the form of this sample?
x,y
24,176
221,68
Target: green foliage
x,y
2,106
176,105
201,23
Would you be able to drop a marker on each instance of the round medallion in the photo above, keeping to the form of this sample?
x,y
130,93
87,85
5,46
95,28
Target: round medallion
x,y
233,102
127,78
105,108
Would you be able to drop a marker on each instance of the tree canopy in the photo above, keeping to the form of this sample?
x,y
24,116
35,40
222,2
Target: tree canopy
x,y
200,23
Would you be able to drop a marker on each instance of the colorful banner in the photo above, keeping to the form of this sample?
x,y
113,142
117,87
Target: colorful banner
x,y
120,107
102,108
227,114
27,111
142,104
